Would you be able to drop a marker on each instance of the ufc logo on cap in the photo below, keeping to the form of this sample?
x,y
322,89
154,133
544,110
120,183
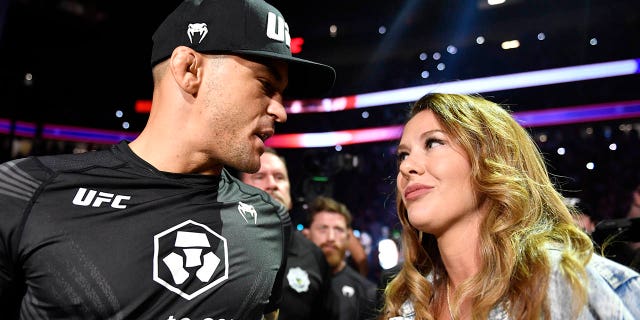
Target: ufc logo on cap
x,y
277,29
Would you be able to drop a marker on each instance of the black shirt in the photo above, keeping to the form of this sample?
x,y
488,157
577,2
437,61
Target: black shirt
x,y
105,235
306,283
354,294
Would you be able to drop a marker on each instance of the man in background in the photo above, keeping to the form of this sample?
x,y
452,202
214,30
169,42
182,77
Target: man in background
x,y
307,278
330,229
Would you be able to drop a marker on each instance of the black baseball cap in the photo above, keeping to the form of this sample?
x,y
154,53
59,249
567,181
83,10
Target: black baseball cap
x,y
243,27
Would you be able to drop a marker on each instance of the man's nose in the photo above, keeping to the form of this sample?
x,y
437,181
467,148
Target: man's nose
x,y
276,109
331,235
271,182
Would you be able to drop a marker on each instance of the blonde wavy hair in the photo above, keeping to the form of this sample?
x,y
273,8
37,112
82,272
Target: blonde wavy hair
x,y
526,214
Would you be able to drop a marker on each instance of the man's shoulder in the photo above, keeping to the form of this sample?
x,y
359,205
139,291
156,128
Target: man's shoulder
x,y
232,190
350,275
80,161
303,243
40,168
305,249
243,190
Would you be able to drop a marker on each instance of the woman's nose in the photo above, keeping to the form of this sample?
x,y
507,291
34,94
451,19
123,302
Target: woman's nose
x,y
410,166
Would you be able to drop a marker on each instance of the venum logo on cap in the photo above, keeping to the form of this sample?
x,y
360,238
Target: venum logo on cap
x,y
199,28
243,27
277,29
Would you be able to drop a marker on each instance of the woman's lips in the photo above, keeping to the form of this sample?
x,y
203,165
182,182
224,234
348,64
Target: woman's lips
x,y
414,191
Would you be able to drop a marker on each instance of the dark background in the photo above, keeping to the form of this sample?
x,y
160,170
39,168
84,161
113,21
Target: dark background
x,y
89,58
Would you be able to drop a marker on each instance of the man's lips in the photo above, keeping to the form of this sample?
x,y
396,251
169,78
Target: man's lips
x,y
265,133
416,190
329,247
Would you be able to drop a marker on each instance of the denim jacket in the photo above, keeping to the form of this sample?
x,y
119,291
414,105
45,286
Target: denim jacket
x,y
613,293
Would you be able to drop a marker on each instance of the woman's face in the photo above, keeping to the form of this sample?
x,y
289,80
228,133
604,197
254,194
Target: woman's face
x,y
434,178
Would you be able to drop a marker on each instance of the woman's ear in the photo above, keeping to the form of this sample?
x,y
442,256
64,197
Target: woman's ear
x,y
185,64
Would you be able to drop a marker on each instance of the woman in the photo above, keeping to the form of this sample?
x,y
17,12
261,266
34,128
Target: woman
x,y
485,234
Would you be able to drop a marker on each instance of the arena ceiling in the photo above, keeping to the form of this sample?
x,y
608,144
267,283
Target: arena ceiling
x,y
76,62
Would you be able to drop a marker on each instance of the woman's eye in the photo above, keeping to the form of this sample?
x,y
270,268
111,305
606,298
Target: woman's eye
x,y
432,142
401,156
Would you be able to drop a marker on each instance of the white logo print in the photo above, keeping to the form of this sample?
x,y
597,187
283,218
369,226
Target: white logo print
x,y
193,243
298,279
247,211
85,199
199,28
277,29
348,291
191,253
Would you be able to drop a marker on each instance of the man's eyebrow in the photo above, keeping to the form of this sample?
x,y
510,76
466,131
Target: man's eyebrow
x,y
273,70
270,64
267,63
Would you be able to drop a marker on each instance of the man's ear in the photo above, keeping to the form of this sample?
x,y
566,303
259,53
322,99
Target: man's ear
x,y
305,232
185,64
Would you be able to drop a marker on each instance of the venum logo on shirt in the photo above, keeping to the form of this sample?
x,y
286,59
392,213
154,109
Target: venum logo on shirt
x,y
247,212
190,259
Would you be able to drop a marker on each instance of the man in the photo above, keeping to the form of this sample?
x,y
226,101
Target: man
x,y
330,229
305,293
157,228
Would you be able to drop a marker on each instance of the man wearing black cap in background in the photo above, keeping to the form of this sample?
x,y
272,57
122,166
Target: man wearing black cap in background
x,y
157,228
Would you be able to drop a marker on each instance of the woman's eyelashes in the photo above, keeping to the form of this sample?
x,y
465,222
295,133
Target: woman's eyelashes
x,y
400,156
433,142
429,143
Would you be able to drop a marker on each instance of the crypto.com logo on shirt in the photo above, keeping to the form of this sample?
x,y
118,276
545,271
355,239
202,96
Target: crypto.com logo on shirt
x,y
191,257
